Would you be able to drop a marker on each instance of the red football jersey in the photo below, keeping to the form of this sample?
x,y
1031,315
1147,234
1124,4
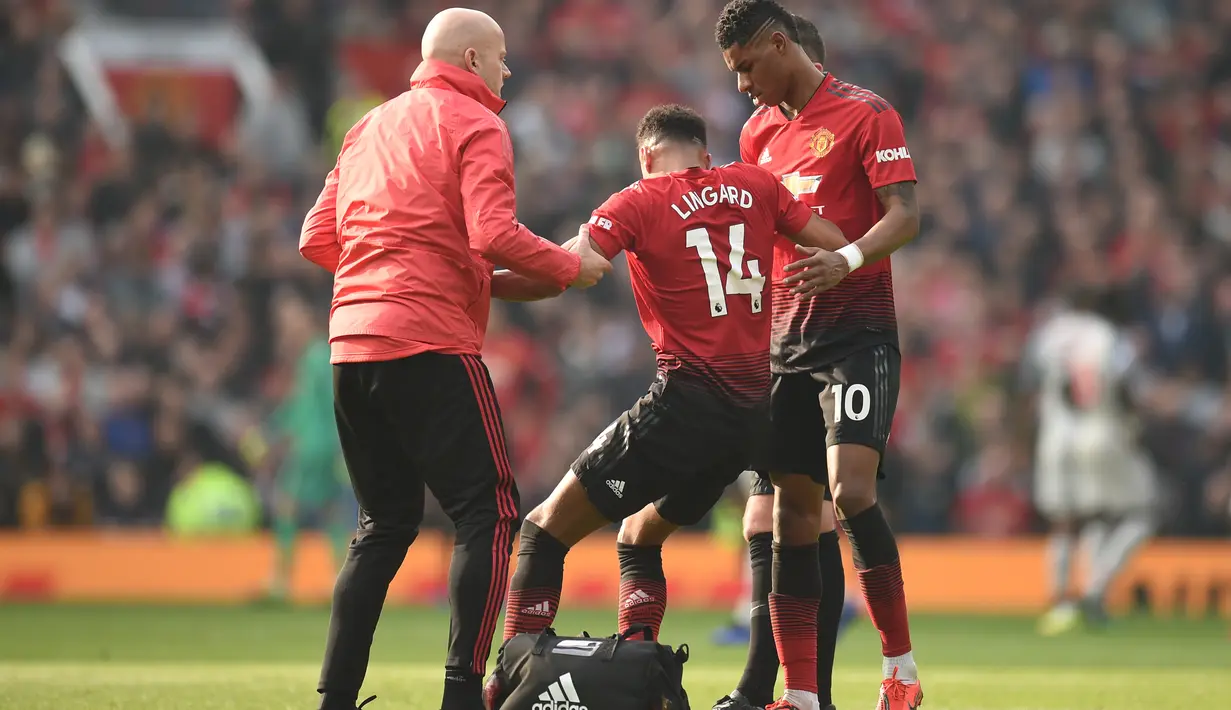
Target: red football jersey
x,y
845,143
699,243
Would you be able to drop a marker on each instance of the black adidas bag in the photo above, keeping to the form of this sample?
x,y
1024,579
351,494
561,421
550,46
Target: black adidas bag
x,y
549,672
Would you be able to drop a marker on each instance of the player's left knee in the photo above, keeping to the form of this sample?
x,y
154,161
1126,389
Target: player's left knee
x,y
647,527
758,516
853,472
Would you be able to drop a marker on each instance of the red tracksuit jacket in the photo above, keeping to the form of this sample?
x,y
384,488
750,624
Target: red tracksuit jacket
x,y
418,209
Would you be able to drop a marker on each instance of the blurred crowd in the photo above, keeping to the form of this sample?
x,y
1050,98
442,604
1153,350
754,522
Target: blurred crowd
x,y
1056,141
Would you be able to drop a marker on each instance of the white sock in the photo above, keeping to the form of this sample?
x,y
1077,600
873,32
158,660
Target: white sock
x,y
905,665
802,699
1115,553
1060,554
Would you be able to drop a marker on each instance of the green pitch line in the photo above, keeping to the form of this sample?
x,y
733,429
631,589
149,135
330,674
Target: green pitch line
x,y
99,658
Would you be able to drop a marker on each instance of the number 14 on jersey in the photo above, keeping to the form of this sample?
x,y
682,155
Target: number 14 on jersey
x,y
736,283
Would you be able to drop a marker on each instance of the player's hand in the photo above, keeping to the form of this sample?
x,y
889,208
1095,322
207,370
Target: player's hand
x,y
593,265
818,272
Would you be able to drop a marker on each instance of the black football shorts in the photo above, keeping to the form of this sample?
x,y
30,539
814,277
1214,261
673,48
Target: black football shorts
x,y
851,402
678,447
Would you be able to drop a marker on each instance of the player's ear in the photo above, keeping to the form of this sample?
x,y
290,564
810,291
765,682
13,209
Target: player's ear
x,y
646,159
709,160
472,60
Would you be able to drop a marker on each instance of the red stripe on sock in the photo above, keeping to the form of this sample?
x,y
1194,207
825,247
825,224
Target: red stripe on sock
x,y
642,601
506,506
794,622
885,595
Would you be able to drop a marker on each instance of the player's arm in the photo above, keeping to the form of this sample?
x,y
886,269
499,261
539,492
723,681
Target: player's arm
x,y
891,172
511,286
818,237
612,228
490,205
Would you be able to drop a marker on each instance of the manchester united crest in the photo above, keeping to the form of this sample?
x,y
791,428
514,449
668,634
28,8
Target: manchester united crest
x,y
822,142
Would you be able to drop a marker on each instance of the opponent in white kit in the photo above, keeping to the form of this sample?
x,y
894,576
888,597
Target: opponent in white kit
x,y
1092,477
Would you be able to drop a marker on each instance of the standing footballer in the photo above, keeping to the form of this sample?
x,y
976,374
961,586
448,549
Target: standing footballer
x,y
841,149
756,685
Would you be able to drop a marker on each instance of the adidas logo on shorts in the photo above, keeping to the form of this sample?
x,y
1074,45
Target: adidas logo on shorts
x,y
616,487
638,597
540,609
560,695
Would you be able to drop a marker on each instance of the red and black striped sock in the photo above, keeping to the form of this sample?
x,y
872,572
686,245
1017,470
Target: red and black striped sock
x,y
643,586
534,592
875,553
793,606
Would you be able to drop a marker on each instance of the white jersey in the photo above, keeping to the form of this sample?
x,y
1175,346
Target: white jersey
x,y
1082,362
1088,459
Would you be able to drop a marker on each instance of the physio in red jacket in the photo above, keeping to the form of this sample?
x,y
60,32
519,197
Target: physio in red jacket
x,y
412,221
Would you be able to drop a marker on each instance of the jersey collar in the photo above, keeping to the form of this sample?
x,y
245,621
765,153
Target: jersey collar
x,y
434,74
826,82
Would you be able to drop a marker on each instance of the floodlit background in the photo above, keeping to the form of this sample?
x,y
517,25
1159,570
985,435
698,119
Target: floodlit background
x,y
156,161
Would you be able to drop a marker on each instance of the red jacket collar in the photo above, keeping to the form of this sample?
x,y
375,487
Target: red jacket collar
x,y
434,74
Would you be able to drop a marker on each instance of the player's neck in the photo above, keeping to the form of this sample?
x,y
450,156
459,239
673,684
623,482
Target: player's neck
x,y
807,82
674,166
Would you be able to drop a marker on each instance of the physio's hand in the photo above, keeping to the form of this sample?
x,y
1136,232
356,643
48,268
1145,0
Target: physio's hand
x,y
593,265
818,272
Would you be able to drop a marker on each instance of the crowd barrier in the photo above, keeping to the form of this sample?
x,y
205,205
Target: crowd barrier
x,y
948,574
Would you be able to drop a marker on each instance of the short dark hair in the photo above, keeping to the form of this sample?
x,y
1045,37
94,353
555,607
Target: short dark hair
x,y
741,20
809,37
671,122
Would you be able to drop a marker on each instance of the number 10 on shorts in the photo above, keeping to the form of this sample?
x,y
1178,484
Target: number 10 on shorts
x,y
844,406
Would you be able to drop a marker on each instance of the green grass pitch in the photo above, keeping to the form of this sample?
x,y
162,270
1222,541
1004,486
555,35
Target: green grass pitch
x,y
172,658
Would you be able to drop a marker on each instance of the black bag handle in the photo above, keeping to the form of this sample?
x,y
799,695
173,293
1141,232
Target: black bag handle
x,y
544,638
612,643
646,633
682,653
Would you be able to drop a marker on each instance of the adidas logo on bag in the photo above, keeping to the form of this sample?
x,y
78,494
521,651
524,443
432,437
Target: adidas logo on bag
x,y
540,609
560,695
616,487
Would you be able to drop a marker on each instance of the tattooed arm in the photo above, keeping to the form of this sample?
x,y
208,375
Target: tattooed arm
x,y
821,270
899,225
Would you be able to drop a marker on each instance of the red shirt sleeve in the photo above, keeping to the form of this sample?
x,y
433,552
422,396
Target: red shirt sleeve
x,y
791,215
318,240
614,225
886,159
490,204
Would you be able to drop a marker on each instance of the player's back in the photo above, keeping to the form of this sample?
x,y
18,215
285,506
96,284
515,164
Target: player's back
x,y
700,246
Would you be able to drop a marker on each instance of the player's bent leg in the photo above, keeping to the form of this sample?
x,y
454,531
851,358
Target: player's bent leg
x,y
550,530
794,599
853,470
643,584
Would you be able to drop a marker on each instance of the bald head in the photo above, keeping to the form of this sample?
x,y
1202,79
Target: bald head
x,y
468,39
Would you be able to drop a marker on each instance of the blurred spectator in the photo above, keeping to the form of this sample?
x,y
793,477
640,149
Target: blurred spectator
x,y
1053,140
